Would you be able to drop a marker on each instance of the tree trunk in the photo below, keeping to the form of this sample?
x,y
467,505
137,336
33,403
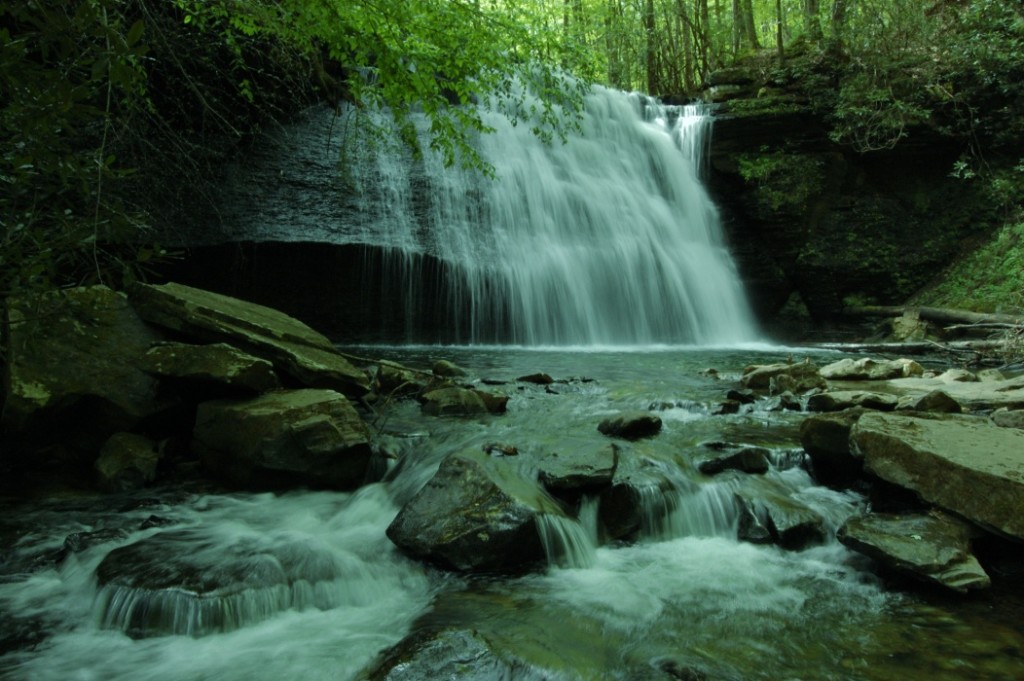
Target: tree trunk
x,y
778,32
839,8
750,26
737,23
652,52
939,315
812,22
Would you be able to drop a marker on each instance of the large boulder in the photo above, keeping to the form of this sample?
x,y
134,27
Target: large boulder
x,y
455,401
867,369
289,437
798,377
826,439
933,547
76,354
477,514
965,464
295,349
217,364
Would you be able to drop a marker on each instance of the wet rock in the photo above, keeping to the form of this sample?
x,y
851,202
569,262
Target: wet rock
x,y
126,462
639,491
846,399
495,403
826,439
933,547
74,361
217,363
453,401
957,376
477,514
964,464
76,542
1009,418
937,401
463,654
395,380
576,467
991,376
747,460
972,395
727,407
631,425
801,376
444,369
284,438
867,369
178,582
744,396
537,379
295,349
785,401
768,516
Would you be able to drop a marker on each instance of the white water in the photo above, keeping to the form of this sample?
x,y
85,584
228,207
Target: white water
x,y
608,239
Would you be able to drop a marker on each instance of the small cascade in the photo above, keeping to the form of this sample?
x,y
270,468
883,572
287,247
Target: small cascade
x,y
687,509
567,544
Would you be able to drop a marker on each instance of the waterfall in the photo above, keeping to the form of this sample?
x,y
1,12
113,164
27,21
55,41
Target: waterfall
x,y
608,239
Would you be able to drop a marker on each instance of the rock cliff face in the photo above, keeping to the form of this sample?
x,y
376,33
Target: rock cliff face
x,y
813,223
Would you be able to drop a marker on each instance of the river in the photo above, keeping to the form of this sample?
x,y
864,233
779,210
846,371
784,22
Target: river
x,y
687,598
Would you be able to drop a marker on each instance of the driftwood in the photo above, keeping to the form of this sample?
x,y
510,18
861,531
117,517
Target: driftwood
x,y
938,315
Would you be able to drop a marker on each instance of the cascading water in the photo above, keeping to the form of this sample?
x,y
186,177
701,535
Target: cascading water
x,y
607,239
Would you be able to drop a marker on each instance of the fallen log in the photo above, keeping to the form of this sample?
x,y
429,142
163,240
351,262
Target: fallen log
x,y
938,315
979,347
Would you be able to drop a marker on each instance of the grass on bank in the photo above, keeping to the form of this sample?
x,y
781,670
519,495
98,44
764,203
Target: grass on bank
x,y
989,278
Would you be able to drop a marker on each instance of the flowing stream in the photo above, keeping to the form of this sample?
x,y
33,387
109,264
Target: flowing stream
x,y
687,593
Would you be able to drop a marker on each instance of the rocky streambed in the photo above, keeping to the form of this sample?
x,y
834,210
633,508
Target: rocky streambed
x,y
199,488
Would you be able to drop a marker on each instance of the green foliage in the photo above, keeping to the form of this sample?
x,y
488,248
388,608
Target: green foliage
x,y
784,180
69,74
989,279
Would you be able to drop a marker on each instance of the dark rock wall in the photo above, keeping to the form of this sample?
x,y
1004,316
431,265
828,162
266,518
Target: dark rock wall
x,y
824,226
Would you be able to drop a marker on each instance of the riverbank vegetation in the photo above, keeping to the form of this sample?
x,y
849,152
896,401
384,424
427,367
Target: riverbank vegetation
x,y
117,114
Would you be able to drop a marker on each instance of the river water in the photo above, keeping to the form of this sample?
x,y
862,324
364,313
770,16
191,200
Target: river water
x,y
686,596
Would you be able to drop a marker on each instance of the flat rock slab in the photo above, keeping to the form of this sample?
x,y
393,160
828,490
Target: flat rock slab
x,y
971,394
935,548
218,363
964,464
294,348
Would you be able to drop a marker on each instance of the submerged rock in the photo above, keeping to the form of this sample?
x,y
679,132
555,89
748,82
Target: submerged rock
x,y
631,425
964,464
933,547
295,349
477,514
177,582
284,438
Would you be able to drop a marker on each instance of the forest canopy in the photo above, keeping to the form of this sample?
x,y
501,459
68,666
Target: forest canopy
x,y
114,110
